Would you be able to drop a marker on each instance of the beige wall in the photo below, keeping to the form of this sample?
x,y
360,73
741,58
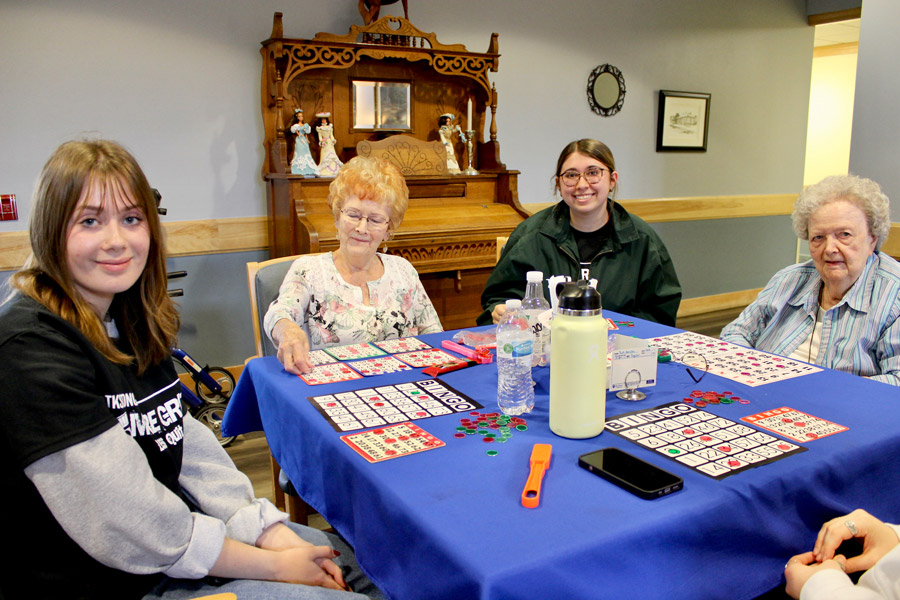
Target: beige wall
x,y
178,83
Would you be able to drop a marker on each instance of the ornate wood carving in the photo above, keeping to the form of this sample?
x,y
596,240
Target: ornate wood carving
x,y
483,251
390,31
450,229
410,155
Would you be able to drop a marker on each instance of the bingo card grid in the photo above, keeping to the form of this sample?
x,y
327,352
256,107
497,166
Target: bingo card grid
x,y
737,363
397,345
794,424
354,351
393,441
714,446
389,404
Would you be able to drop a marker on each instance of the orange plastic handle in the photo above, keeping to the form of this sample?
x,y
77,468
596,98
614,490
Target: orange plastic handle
x,y
540,460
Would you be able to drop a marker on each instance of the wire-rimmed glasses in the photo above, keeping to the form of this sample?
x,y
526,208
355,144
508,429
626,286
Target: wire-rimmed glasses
x,y
592,175
374,221
694,362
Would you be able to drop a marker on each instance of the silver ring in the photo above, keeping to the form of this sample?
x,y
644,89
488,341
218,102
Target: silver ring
x,y
852,527
841,565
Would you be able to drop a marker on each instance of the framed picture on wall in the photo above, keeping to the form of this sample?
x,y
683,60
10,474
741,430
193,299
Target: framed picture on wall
x,y
683,121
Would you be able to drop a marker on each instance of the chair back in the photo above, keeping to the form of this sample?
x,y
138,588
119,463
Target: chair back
x,y
501,244
410,155
263,281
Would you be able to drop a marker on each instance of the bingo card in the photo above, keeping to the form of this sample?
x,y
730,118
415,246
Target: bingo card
x,y
794,425
427,358
408,344
384,405
330,373
712,445
392,441
354,351
744,365
380,366
320,357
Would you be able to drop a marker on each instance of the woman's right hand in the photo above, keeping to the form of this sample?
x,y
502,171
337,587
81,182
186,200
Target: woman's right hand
x,y
498,312
878,539
310,565
293,347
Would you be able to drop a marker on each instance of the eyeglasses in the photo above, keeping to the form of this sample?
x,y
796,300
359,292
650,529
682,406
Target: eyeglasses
x,y
374,221
592,175
695,364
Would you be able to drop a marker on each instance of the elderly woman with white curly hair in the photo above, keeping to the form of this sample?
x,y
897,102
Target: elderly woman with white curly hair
x,y
839,310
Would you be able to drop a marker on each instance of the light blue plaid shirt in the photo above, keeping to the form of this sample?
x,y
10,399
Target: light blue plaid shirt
x,y
860,334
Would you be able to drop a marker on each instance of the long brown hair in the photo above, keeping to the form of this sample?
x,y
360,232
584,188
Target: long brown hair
x,y
145,315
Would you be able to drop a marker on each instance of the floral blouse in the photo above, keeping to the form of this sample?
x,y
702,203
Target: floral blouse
x,y
332,313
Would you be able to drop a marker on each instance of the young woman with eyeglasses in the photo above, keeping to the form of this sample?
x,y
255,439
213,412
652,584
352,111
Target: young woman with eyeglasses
x,y
588,236
354,294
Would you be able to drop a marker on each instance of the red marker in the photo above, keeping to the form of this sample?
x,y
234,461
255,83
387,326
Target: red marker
x,y
436,370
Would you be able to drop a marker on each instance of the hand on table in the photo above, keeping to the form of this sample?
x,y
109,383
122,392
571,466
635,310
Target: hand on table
x,y
498,312
293,347
878,539
803,566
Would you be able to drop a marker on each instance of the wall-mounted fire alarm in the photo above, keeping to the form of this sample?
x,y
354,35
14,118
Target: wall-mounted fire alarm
x,y
8,210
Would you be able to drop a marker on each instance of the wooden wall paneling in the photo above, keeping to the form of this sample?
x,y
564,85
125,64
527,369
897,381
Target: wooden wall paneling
x,y
457,301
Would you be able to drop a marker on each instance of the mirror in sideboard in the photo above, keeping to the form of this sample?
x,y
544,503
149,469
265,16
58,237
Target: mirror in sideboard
x,y
382,105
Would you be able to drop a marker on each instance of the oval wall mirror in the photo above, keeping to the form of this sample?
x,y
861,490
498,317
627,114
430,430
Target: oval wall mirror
x,y
606,90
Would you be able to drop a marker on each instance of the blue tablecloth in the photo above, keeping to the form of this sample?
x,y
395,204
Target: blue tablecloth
x,y
448,523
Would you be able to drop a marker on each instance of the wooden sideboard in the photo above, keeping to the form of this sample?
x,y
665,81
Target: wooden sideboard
x,y
449,232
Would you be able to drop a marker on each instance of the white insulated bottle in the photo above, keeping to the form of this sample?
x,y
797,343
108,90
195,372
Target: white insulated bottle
x,y
578,369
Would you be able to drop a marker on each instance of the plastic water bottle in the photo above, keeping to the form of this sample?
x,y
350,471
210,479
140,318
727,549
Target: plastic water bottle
x,y
515,388
533,306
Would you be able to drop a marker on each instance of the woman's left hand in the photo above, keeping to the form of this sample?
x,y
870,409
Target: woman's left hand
x,y
878,539
279,536
803,566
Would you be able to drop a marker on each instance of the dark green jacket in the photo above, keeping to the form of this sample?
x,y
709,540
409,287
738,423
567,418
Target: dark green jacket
x,y
634,273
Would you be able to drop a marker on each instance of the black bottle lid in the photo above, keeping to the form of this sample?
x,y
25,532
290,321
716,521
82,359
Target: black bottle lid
x,y
578,298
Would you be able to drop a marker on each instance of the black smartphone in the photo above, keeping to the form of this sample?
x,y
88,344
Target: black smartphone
x,y
631,473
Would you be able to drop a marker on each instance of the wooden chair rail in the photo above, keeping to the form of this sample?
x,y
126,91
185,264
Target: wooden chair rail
x,y
216,236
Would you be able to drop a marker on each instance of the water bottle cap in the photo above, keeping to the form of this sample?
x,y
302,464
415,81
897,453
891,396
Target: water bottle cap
x,y
534,276
513,304
578,299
